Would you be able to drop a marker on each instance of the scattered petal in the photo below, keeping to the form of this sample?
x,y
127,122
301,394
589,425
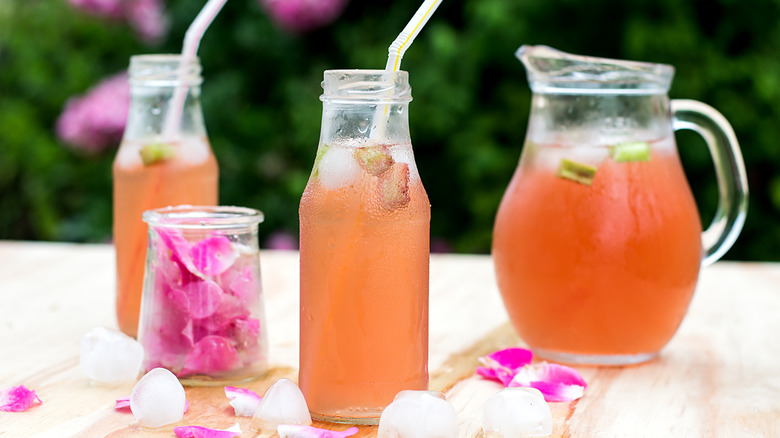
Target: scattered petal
x,y
213,256
502,365
17,399
283,403
516,412
556,382
297,431
205,432
122,403
244,401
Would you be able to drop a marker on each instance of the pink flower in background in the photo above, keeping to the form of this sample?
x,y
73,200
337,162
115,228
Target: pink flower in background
x,y
103,8
97,119
281,240
146,17
299,16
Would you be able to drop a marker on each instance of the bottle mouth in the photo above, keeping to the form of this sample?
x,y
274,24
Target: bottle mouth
x,y
553,71
164,70
366,86
203,217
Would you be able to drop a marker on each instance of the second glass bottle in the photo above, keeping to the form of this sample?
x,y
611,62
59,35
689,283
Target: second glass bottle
x,y
153,168
364,230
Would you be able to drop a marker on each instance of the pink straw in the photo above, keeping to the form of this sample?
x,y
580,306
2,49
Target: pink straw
x,y
189,51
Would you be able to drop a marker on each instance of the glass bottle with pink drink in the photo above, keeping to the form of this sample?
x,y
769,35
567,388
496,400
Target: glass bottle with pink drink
x,y
364,223
164,159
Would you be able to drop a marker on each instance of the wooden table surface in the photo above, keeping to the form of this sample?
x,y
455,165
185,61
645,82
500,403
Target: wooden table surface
x,y
720,375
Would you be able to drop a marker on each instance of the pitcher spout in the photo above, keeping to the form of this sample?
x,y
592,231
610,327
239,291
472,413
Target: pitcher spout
x,y
553,71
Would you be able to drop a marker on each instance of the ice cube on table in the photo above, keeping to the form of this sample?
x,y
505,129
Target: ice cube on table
x,y
110,356
158,399
418,414
517,413
337,168
283,403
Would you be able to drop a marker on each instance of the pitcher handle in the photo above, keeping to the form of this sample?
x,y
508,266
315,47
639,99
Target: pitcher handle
x,y
729,170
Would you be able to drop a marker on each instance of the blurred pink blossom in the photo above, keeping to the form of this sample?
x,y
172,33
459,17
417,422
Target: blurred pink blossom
x,y
146,17
440,245
281,240
299,16
103,8
97,119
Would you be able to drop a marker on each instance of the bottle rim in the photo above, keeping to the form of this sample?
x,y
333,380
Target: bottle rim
x,y
366,86
163,70
203,217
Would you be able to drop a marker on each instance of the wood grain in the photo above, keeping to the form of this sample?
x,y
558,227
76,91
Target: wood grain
x,y
719,377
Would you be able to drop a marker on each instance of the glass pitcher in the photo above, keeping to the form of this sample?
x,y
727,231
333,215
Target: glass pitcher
x,y
597,242
153,169
364,220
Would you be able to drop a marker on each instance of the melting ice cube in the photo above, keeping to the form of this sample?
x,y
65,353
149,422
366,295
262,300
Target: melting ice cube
x,y
283,403
418,414
158,399
517,413
337,168
110,356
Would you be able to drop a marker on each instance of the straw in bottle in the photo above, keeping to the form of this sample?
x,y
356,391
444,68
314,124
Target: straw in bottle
x,y
189,51
396,53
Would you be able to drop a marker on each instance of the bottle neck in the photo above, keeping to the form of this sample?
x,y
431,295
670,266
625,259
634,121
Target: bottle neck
x,y
165,98
152,106
365,107
364,123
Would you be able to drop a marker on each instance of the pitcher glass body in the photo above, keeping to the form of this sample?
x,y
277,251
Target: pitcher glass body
x,y
597,242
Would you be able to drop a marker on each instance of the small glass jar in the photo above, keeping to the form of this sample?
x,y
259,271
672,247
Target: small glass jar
x,y
202,312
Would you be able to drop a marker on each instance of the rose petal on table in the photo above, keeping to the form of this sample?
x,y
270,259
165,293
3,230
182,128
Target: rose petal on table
x,y
556,382
17,399
122,403
213,255
502,365
212,354
244,401
205,432
296,431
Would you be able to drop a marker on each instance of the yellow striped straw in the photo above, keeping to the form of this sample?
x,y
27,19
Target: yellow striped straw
x,y
396,52
405,38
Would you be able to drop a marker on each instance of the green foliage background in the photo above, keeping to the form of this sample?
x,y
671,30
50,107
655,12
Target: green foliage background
x,y
468,119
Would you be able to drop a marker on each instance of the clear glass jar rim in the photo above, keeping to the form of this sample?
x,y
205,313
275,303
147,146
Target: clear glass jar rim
x,y
203,217
164,70
369,85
